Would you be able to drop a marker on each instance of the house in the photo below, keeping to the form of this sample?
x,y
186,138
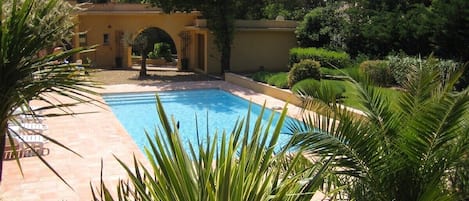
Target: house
x,y
257,43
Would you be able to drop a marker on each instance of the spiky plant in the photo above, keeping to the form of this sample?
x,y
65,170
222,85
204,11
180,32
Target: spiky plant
x,y
27,27
242,165
406,150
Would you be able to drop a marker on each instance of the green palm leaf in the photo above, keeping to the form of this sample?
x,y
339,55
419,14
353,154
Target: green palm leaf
x,y
405,152
242,165
27,28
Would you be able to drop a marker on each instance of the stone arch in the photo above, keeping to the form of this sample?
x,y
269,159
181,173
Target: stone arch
x,y
111,25
156,34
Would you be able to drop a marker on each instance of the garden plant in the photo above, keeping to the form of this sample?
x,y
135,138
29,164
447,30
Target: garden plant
x,y
413,149
29,27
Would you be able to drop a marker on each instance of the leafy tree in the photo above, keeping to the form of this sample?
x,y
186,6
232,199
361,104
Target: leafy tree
x,y
290,9
27,28
321,27
308,32
240,165
408,148
144,44
220,15
451,36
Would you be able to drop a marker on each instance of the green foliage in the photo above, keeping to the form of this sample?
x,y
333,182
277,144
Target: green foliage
x,y
220,17
329,73
378,72
244,164
308,32
146,39
161,50
306,68
289,9
401,66
327,58
261,76
279,80
378,28
29,27
404,148
313,85
451,22
321,28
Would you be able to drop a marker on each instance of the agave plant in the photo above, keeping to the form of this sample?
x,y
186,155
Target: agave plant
x,y
246,164
412,147
29,27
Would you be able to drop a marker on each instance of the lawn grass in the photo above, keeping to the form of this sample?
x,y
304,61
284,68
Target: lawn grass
x,y
351,93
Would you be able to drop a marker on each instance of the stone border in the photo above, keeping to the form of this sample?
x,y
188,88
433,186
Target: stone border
x,y
282,94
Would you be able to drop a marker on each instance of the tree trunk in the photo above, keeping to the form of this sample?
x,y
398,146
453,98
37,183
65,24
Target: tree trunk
x,y
3,132
143,67
226,39
226,56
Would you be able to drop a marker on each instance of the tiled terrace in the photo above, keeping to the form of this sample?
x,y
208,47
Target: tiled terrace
x,y
95,136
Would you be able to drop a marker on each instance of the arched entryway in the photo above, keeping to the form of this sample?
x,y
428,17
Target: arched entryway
x,y
112,25
156,46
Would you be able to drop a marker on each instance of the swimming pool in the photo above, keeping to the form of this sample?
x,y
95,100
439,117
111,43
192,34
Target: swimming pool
x,y
215,108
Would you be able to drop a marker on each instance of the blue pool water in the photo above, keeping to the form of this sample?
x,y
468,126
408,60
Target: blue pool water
x,y
137,113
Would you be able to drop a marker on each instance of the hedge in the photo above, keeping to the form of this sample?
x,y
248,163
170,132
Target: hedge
x,y
327,58
378,72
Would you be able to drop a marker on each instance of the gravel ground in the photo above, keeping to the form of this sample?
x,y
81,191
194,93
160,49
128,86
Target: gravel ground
x,y
130,76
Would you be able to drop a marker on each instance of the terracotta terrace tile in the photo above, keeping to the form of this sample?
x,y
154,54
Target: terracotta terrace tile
x,y
95,136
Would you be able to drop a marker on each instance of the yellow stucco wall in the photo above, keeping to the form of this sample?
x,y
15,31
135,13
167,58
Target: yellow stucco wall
x,y
113,19
256,43
254,48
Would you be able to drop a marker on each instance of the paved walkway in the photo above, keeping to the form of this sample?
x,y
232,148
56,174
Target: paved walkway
x,y
95,136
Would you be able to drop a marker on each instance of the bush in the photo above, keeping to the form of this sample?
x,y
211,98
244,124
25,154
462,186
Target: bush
x,y
301,85
312,84
305,69
330,72
378,71
279,80
327,58
401,67
161,50
261,76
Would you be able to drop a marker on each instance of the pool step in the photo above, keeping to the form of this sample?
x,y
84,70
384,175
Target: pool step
x,y
148,98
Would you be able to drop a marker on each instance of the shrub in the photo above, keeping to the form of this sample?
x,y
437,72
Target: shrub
x,y
339,72
301,85
310,85
378,71
279,80
161,50
401,67
305,69
261,76
328,72
327,58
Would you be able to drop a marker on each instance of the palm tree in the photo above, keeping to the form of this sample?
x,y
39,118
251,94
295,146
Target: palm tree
x,y
241,165
409,148
29,27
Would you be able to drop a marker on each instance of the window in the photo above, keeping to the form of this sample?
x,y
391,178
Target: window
x,y
106,39
82,39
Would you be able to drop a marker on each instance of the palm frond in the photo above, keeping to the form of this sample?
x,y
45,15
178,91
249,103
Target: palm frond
x,y
27,28
242,165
